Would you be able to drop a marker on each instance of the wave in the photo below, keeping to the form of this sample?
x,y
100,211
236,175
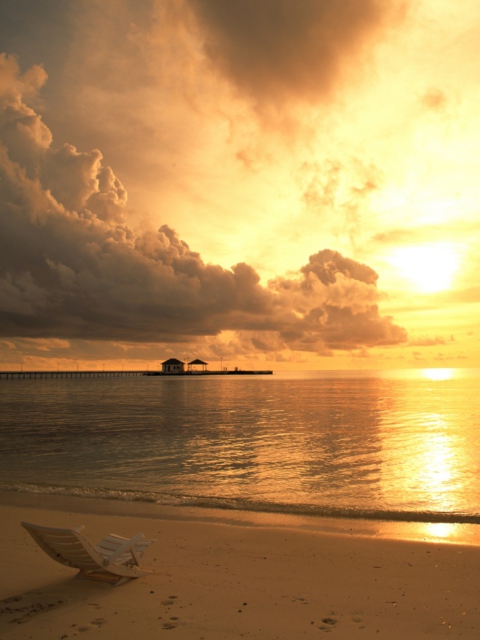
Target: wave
x,y
237,504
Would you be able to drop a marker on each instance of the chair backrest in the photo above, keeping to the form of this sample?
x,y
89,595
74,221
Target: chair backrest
x,y
111,544
66,546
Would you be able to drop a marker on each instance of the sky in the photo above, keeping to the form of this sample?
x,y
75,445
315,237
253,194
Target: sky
x,y
256,183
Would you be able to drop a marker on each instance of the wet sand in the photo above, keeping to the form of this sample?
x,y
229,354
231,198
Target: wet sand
x,y
219,580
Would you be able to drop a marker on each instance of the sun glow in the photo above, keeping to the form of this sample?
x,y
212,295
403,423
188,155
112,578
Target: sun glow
x,y
438,374
429,267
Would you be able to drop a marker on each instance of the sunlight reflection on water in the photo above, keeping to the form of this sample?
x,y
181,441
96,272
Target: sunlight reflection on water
x,y
438,374
386,442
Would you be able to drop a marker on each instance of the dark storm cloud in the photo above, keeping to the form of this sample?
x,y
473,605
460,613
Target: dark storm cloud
x,y
277,49
72,268
31,27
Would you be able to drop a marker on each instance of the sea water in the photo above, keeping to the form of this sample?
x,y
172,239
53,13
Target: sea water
x,y
399,445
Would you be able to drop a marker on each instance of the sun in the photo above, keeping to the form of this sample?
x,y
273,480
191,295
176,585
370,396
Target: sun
x,y
430,268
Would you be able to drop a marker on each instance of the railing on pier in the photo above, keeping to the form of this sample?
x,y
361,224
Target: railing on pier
x,y
5,375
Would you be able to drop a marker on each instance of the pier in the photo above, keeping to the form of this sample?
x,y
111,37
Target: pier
x,y
29,375
5,375
199,374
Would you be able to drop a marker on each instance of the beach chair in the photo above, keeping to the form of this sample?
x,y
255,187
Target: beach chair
x,y
114,559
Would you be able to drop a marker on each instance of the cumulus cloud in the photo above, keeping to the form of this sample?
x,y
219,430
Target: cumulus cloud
x,y
275,50
71,267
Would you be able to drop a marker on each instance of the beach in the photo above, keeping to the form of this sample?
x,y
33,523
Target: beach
x,y
215,580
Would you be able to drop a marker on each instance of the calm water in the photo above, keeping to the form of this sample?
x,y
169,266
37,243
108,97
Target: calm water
x,y
396,445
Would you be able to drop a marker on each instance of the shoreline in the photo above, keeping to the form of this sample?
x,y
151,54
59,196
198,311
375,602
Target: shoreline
x,y
222,578
425,531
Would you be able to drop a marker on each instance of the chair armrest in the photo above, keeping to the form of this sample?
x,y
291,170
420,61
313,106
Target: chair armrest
x,y
79,529
128,546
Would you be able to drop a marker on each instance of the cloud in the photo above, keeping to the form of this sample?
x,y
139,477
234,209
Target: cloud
x,y
343,189
426,341
277,50
426,233
71,267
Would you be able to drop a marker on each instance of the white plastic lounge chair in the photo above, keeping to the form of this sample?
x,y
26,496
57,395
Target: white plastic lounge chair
x,y
114,559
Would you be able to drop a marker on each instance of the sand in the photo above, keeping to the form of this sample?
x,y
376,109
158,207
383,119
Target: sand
x,y
215,580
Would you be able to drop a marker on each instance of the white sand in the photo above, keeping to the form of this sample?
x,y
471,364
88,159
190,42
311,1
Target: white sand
x,y
219,581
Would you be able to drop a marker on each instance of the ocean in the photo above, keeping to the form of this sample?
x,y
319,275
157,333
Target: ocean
x,y
389,446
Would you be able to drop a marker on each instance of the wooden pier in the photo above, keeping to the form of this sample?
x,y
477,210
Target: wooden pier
x,y
5,375
29,375
199,374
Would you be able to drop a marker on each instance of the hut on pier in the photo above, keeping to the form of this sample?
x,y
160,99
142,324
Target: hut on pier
x,y
172,365
192,366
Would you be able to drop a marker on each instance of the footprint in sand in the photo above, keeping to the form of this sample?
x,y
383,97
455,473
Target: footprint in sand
x,y
21,614
328,624
172,622
169,625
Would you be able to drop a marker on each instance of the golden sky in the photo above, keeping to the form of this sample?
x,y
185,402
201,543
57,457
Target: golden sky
x,y
267,182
